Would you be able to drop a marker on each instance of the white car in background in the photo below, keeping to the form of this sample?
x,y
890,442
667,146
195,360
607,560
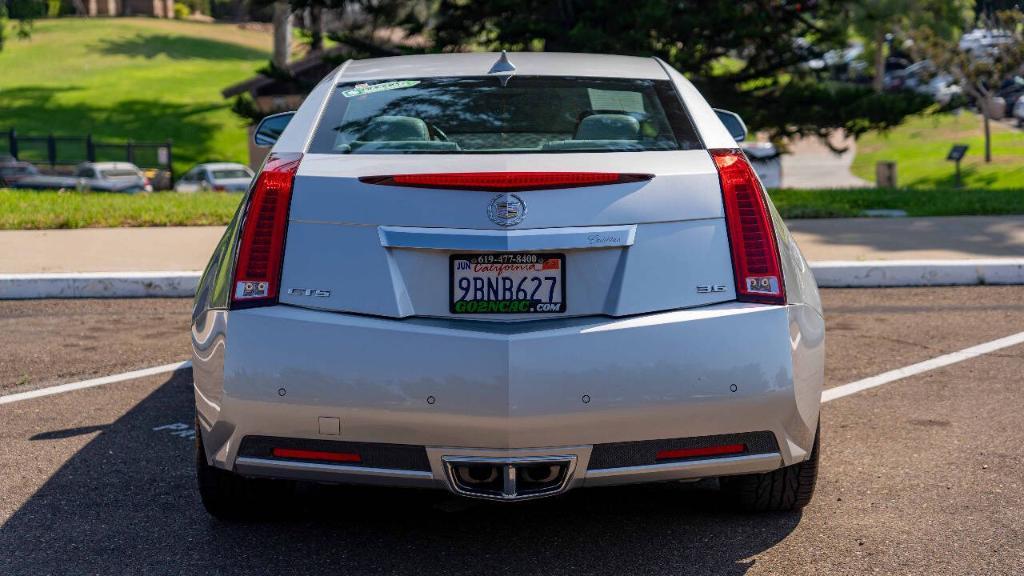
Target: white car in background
x,y
216,177
1018,112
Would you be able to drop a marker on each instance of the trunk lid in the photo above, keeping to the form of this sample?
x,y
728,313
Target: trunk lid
x,y
629,248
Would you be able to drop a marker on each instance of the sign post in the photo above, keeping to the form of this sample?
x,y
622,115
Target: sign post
x,y
956,154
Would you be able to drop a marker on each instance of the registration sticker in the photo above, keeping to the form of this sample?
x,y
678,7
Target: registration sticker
x,y
364,88
507,283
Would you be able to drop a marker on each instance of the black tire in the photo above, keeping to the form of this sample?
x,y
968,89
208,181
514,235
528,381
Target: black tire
x,y
230,497
786,489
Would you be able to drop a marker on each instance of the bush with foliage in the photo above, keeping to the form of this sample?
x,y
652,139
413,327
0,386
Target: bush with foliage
x,y
181,11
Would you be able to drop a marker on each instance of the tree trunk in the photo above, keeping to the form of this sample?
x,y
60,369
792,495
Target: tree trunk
x,y
282,33
988,133
879,80
316,28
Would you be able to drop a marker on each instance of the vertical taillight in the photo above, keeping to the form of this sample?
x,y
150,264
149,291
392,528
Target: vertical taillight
x,y
261,245
755,255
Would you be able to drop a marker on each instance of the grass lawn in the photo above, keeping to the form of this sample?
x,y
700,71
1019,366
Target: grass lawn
x,y
840,203
26,209
919,148
31,210
138,78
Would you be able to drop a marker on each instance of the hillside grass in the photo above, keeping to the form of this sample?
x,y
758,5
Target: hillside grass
x,y
138,78
919,148
31,210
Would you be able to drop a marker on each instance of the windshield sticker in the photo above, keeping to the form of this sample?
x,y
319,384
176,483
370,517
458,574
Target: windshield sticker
x,y
362,89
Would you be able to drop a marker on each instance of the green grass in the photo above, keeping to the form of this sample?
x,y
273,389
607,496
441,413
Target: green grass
x,y
839,203
30,210
919,148
138,78
26,210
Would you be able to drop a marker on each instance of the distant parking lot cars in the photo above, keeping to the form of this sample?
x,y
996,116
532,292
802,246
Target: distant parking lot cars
x,y
767,162
216,177
12,171
112,177
423,293
93,176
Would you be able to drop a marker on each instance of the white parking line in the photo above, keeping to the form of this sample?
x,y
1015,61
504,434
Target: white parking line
x,y
920,367
826,396
60,389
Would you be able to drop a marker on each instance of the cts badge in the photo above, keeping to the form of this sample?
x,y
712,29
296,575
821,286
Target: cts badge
x,y
506,210
309,292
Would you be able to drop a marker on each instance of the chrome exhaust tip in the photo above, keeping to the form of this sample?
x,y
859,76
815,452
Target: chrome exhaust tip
x,y
509,479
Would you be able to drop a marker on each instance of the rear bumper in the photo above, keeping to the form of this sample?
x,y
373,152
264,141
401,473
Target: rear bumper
x,y
493,390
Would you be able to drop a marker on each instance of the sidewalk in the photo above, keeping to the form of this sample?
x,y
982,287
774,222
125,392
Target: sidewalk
x,y
188,248
810,164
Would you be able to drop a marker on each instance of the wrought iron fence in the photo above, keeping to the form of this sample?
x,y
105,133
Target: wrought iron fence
x,y
67,151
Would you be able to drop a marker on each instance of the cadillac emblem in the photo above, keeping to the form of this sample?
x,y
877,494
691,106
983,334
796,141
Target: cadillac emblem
x,y
506,210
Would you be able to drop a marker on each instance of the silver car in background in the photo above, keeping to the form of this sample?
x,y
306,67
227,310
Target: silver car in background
x,y
506,276
216,177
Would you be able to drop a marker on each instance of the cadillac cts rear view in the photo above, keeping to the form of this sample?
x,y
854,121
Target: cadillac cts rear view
x,y
506,276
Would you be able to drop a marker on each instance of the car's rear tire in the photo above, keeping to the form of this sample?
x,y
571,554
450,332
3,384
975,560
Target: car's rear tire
x,y
786,489
229,496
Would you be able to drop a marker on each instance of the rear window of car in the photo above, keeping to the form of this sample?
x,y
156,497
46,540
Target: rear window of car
x,y
118,174
230,174
521,114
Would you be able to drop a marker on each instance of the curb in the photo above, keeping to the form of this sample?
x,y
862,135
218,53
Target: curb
x,y
829,274
892,273
170,284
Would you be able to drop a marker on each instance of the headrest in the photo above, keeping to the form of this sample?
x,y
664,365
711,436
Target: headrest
x,y
396,129
608,127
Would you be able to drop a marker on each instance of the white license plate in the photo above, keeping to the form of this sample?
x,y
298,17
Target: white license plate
x,y
507,283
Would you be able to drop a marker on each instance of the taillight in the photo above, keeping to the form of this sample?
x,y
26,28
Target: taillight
x,y
755,255
261,247
505,181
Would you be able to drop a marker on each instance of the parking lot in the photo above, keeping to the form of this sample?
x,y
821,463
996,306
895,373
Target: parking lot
x,y
922,475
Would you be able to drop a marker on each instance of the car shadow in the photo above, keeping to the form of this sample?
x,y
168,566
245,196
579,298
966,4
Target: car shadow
x,y
126,503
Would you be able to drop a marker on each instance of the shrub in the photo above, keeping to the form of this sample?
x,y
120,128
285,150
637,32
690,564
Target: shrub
x,y
181,11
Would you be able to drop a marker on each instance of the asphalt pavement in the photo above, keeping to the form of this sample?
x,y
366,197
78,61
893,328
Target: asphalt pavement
x,y
919,476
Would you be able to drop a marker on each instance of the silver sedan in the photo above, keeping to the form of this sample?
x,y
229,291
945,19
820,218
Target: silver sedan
x,y
507,276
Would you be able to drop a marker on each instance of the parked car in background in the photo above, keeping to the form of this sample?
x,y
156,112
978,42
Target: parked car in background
x,y
1018,112
767,162
111,177
11,171
216,177
123,177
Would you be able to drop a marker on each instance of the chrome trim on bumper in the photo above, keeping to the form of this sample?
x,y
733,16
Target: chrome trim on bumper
x,y
749,464
311,471
564,238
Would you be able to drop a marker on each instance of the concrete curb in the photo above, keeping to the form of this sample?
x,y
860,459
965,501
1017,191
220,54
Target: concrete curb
x,y
883,273
170,284
829,274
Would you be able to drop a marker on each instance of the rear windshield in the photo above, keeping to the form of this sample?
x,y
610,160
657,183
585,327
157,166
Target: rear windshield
x,y
230,174
119,174
527,114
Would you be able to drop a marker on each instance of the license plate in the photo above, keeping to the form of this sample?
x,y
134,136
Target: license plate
x,y
507,283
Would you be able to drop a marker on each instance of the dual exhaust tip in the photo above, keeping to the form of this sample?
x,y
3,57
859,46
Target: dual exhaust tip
x,y
509,479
